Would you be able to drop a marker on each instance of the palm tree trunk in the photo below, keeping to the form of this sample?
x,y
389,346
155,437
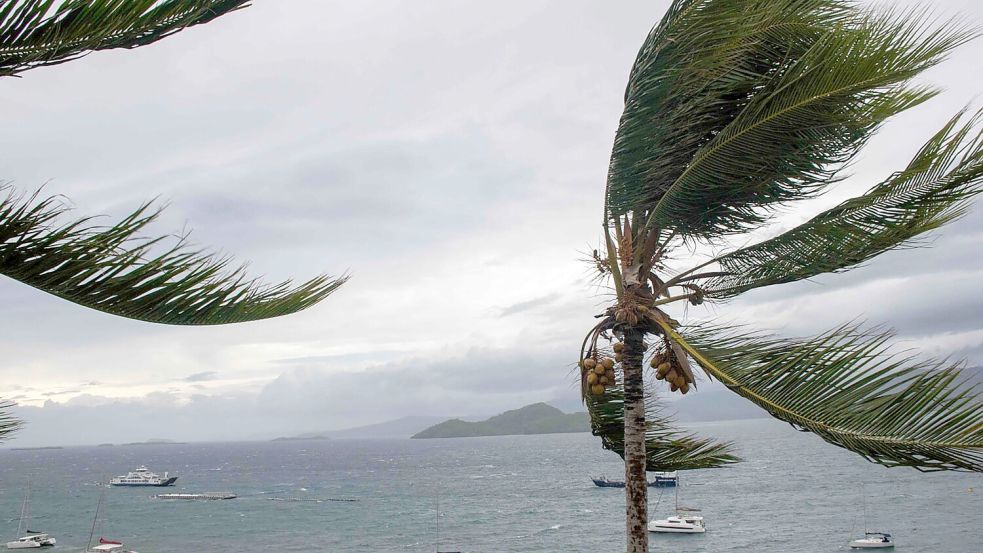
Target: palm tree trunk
x,y
636,484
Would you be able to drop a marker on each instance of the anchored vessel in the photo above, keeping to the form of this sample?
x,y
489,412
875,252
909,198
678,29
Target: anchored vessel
x,y
686,520
143,477
662,480
873,540
32,539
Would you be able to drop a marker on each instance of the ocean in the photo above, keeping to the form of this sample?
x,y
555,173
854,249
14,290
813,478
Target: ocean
x,y
509,493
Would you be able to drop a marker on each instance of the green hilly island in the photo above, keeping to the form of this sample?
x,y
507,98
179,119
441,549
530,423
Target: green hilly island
x,y
538,418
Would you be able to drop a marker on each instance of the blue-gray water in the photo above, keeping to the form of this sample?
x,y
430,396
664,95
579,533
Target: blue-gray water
x,y
512,493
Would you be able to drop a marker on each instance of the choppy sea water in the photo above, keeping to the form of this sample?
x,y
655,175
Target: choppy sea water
x,y
510,493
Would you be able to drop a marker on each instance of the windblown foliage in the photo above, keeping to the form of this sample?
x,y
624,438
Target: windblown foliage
x,y
115,270
734,106
845,387
8,424
931,192
666,448
34,33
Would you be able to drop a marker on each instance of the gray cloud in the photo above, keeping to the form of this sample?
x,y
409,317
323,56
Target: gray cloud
x,y
529,304
455,166
201,376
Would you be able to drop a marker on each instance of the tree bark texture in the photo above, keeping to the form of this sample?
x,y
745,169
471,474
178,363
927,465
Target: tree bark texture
x,y
636,483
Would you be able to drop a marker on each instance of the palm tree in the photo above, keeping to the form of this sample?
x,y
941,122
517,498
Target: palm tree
x,y
733,109
115,269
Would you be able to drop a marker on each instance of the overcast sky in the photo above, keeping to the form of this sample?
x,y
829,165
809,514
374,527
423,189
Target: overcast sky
x,y
451,156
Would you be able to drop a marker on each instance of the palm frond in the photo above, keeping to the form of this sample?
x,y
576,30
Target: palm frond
x,y
114,270
34,33
932,191
667,448
734,106
848,389
8,423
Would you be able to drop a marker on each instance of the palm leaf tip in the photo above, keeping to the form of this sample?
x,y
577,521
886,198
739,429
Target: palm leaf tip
x,y
734,108
933,190
667,448
117,271
8,423
36,33
847,388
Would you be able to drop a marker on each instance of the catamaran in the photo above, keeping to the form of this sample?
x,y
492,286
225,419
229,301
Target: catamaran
x,y
686,520
31,539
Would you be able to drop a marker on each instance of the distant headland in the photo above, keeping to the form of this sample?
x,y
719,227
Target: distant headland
x,y
538,418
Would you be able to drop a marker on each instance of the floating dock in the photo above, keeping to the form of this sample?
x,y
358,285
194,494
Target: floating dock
x,y
209,496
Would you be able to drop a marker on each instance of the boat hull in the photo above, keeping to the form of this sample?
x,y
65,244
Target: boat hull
x,y
676,530
162,484
871,544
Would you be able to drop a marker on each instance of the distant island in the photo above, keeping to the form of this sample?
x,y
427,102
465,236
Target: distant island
x,y
538,418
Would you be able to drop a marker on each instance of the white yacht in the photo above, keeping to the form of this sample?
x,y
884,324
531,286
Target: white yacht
x,y
686,521
143,477
873,540
31,539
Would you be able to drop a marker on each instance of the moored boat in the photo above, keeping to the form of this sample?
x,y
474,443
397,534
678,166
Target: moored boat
x,y
873,540
659,482
31,539
686,521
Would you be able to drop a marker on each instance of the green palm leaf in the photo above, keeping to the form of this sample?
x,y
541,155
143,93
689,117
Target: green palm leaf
x,y
34,33
114,270
667,448
733,106
931,192
8,424
845,387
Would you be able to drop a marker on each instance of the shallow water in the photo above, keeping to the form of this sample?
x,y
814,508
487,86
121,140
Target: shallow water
x,y
509,493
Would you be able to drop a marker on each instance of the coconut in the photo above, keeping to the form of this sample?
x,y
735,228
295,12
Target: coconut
x,y
673,387
618,358
657,360
608,363
600,370
618,346
597,389
680,380
591,378
603,381
684,388
610,375
671,375
589,363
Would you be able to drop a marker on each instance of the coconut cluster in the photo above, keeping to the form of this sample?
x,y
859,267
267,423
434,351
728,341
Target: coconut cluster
x,y
598,373
668,368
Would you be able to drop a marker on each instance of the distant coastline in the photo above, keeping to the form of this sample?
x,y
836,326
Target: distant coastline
x,y
538,418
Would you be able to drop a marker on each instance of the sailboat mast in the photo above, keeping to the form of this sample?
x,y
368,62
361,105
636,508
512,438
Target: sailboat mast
x,y
92,532
23,508
863,491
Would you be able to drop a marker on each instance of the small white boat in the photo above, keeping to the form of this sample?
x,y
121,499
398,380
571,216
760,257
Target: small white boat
x,y
873,540
32,539
685,522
